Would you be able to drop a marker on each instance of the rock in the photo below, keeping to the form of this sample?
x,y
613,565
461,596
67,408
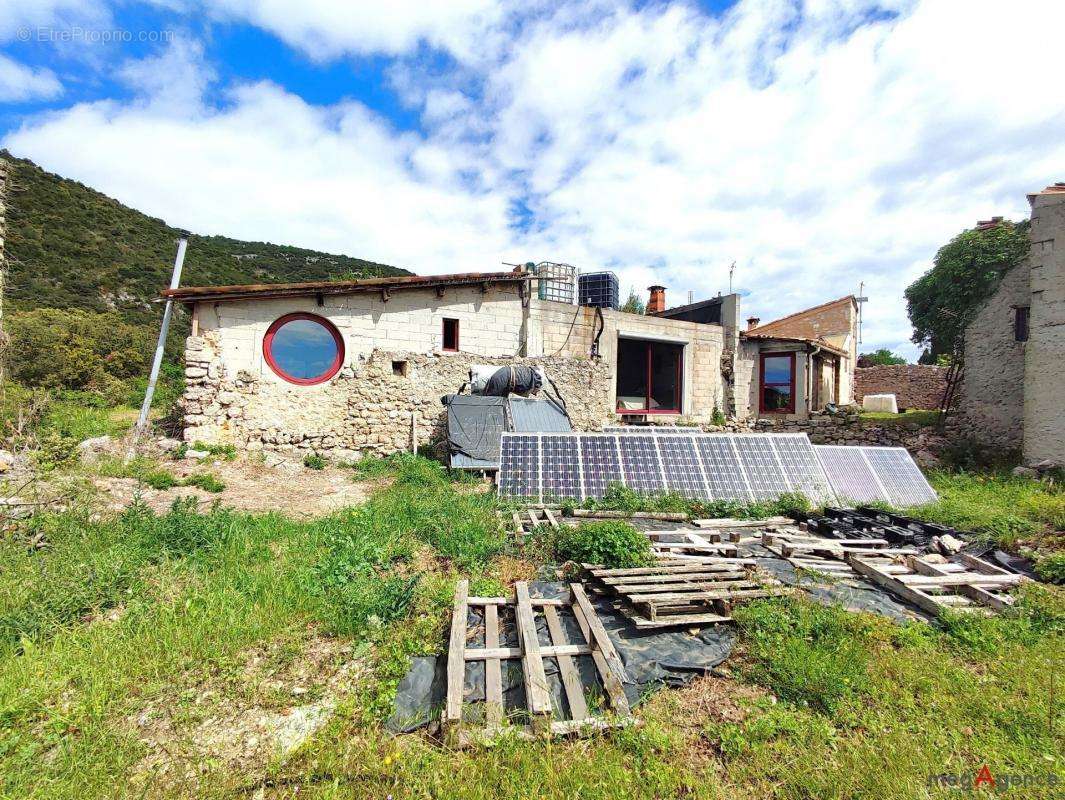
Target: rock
x,y
1048,466
949,545
196,455
7,461
1025,472
926,458
90,450
167,445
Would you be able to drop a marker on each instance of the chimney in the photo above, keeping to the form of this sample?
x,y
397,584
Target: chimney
x,y
752,322
657,303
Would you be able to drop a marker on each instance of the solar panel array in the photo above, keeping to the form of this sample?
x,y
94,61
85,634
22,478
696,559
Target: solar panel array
x,y
743,467
867,474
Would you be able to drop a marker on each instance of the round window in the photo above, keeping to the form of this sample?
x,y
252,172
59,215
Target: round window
x,y
304,349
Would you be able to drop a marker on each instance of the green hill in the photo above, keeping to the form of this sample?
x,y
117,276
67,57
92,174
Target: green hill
x,y
69,246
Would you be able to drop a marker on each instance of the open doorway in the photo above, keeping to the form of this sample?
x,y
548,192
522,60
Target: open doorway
x,y
650,377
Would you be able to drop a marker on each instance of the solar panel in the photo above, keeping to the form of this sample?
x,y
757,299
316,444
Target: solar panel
x,y
896,470
680,466
801,467
640,464
560,476
852,479
519,466
764,476
725,477
600,464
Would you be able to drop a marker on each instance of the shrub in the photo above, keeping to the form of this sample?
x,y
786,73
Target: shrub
x,y
224,451
55,450
313,461
158,479
610,543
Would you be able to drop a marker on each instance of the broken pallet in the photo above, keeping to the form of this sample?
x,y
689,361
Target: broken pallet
x,y
965,583
543,718
679,594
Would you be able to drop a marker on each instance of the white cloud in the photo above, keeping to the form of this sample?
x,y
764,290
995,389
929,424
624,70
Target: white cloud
x,y
19,18
816,149
19,82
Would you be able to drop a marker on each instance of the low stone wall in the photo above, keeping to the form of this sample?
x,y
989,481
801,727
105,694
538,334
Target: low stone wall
x,y
367,409
914,385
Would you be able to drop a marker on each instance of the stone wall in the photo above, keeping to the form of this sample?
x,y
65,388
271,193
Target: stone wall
x,y
1044,387
367,409
993,395
914,385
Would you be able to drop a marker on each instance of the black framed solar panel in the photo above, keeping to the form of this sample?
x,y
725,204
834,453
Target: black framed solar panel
x,y
724,474
519,466
560,468
895,469
852,479
681,466
801,467
640,464
765,478
600,464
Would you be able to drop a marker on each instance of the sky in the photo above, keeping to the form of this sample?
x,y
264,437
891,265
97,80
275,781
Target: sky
x,y
817,145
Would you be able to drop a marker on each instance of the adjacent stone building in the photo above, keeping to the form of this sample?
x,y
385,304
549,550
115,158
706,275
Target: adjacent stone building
x,y
347,367
1015,347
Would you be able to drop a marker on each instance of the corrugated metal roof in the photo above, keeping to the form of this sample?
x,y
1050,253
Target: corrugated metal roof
x,y
530,415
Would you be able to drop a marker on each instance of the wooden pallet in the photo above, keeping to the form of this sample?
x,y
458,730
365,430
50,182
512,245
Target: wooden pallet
x,y
965,583
694,543
543,719
676,594
521,523
828,556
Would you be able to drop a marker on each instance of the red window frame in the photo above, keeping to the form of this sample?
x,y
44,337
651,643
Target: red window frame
x,y
268,342
680,383
790,409
443,335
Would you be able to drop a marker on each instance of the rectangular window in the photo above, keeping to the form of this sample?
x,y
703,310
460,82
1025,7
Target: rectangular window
x,y
1020,324
649,377
451,335
777,383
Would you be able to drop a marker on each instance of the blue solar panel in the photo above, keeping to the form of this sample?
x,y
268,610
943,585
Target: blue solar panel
x,y
801,467
721,466
900,476
519,466
600,464
681,467
852,479
640,464
764,476
560,476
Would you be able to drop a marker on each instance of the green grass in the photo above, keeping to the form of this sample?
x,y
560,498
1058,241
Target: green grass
x,y
619,497
138,611
1008,509
911,415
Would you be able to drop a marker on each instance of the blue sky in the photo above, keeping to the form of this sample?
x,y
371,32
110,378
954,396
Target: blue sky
x,y
818,144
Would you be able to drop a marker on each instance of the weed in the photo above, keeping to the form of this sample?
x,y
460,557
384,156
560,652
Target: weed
x,y
313,461
227,452
205,481
1052,568
609,542
619,497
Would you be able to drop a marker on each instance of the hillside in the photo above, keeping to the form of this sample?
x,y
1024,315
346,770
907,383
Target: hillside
x,y
69,246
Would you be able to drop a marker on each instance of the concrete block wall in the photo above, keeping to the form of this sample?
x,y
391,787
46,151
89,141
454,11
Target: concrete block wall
x,y
1044,356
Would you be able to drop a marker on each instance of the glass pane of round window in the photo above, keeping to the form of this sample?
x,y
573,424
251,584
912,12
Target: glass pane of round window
x,y
303,349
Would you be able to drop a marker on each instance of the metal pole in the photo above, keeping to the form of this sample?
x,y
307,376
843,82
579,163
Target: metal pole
x,y
168,311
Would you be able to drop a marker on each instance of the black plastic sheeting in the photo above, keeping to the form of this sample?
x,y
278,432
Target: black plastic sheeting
x,y
515,379
474,427
652,659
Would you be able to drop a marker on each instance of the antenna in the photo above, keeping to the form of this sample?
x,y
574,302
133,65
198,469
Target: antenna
x,y
861,300
731,270
691,297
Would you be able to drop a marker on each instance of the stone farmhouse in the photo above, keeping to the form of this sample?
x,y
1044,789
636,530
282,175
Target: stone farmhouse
x,y
349,367
1014,394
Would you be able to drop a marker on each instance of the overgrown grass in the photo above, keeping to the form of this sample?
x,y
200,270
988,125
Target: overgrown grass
x,y
611,543
619,497
910,415
1006,508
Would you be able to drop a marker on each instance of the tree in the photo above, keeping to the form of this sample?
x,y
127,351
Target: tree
x,y
881,358
965,273
634,305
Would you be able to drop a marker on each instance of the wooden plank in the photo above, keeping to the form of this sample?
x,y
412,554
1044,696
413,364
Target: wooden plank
x,y
668,569
504,601
456,661
612,683
713,594
532,518
959,579
979,565
551,651
969,594
551,520
493,675
679,620
622,581
684,587
915,596
571,679
537,691
728,522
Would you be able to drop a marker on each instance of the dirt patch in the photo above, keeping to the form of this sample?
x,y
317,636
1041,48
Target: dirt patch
x,y
235,724
250,485
718,700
